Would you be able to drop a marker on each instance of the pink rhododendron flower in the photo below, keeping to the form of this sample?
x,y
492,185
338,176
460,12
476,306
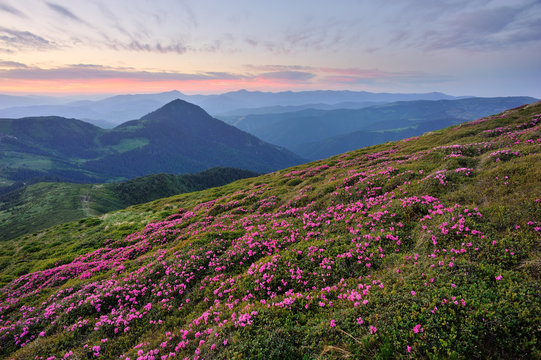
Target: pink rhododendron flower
x,y
417,329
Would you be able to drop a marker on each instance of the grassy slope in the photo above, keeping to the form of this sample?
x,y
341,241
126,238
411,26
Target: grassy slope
x,y
39,206
424,248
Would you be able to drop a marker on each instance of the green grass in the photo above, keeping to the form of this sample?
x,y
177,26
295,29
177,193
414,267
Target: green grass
x,y
16,160
130,144
261,264
42,205
396,129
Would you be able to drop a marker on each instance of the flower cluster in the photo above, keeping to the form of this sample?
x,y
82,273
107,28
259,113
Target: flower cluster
x,y
190,284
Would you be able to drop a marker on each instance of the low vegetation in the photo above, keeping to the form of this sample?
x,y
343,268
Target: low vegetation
x,y
45,204
423,248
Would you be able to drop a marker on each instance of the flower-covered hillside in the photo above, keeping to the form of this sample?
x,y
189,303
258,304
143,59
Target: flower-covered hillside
x,y
423,248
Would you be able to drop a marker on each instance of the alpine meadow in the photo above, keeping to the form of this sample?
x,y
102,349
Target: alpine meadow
x,y
270,180
422,248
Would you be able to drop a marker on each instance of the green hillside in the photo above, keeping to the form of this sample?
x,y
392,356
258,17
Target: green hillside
x,y
177,138
426,248
42,205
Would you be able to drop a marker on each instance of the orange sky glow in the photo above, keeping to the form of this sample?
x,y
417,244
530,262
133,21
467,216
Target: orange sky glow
x,y
120,85
478,48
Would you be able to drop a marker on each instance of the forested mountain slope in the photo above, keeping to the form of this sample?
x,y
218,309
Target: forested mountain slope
x,y
317,134
177,138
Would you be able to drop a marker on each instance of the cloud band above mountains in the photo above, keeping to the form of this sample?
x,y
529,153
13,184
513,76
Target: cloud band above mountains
x,y
454,45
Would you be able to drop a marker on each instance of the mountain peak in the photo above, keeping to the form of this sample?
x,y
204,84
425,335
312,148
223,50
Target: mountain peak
x,y
175,109
171,92
179,104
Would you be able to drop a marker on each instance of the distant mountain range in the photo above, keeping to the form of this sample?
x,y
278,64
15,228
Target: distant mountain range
x,y
242,99
115,110
106,113
316,134
177,138
233,116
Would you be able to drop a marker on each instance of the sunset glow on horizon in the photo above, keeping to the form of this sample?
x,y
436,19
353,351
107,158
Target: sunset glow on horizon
x,y
480,48
121,85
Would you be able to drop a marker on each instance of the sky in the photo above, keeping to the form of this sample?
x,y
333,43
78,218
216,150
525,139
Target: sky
x,y
460,47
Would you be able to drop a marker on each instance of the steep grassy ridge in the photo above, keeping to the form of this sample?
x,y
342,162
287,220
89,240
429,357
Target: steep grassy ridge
x,y
423,248
42,205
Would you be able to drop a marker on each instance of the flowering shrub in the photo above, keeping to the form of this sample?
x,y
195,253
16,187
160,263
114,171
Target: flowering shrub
x,y
391,252
503,155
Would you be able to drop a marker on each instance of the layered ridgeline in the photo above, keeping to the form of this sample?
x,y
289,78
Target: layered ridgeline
x,y
117,109
45,204
423,248
316,134
178,138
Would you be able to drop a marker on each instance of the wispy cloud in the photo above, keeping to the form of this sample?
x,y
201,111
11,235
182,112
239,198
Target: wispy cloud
x,y
347,44
135,45
485,28
130,42
482,25
297,76
357,76
361,73
270,68
64,12
189,13
11,39
89,71
108,79
288,75
11,64
307,35
98,26
11,10
342,75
